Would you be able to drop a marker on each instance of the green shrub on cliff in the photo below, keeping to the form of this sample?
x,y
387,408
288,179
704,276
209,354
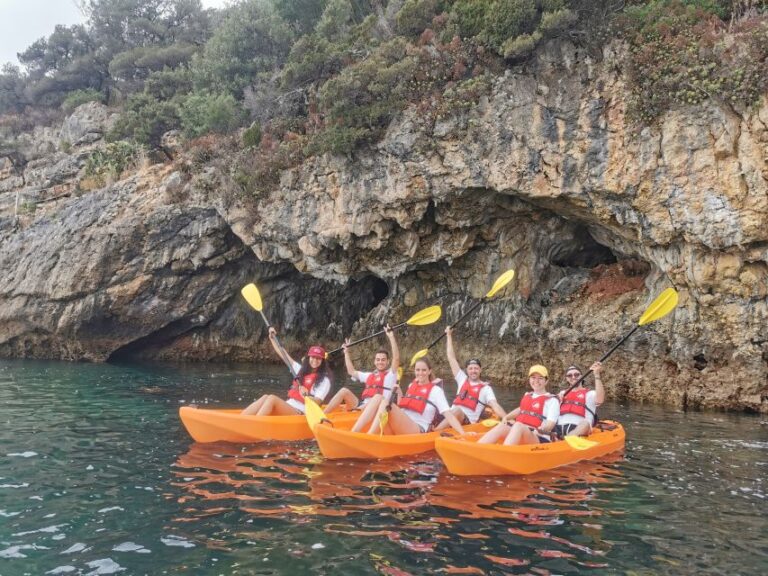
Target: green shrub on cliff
x,y
683,53
205,112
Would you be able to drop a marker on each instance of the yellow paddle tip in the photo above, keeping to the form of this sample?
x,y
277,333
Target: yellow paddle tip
x,y
252,296
419,355
501,281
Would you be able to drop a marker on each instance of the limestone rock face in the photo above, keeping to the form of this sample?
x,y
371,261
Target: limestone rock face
x,y
87,124
545,175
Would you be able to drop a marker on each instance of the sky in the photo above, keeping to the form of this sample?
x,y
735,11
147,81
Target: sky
x,y
24,21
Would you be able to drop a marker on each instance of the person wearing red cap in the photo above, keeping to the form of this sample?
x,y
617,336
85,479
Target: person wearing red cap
x,y
534,420
379,384
472,394
313,378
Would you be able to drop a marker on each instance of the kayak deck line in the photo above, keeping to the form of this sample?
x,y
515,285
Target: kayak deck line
x,y
230,425
465,457
338,443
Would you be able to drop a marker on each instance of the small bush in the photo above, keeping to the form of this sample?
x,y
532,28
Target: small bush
x,y
252,136
204,113
111,161
79,97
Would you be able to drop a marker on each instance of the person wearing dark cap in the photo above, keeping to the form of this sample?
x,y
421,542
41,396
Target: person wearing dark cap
x,y
313,378
578,407
473,395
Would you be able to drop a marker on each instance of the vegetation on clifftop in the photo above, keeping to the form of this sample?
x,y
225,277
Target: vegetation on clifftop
x,y
317,76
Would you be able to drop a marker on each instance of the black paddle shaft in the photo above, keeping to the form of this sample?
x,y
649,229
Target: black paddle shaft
x,y
605,356
467,313
379,333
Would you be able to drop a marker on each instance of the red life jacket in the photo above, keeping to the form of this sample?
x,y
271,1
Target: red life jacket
x,y
374,384
575,402
307,382
532,409
469,395
417,396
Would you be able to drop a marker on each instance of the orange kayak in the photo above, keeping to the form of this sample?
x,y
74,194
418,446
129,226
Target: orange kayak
x,y
465,457
205,425
335,442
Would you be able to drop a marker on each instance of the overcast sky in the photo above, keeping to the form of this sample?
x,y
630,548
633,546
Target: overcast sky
x,y
24,21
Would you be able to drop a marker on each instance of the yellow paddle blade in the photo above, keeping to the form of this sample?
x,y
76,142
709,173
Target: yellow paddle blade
x,y
424,317
578,443
399,373
501,281
489,422
663,305
383,419
420,354
252,296
313,412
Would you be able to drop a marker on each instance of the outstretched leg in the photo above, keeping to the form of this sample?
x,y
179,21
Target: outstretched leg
x,y
582,429
369,412
521,434
498,432
276,406
460,416
254,407
400,423
345,396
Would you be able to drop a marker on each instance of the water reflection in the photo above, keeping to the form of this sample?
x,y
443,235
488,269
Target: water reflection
x,y
413,505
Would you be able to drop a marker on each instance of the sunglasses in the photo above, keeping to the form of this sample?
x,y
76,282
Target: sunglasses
x,y
573,374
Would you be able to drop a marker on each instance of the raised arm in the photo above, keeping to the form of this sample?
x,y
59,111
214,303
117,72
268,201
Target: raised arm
x,y
497,409
395,364
597,367
351,370
281,352
455,366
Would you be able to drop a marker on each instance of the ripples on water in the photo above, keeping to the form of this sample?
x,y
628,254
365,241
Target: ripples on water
x,y
97,477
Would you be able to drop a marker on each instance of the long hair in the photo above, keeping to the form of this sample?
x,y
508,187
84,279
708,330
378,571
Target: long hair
x,y
323,371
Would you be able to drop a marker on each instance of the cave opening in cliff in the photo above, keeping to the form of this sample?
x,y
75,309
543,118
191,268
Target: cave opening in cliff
x,y
581,250
361,296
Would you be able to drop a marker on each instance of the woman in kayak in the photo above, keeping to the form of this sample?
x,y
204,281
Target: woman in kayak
x,y
535,418
379,384
472,394
578,407
313,378
416,409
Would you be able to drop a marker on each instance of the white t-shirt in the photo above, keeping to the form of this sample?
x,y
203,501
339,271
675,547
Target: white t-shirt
x,y
319,390
591,402
436,398
551,408
486,396
389,383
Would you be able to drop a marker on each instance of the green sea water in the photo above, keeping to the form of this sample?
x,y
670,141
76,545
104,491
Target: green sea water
x,y
97,476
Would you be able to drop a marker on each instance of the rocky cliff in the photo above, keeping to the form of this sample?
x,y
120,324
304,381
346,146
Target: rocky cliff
x,y
545,175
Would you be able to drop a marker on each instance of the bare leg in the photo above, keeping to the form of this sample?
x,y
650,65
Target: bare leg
x,y
374,429
344,395
521,434
460,416
400,423
583,429
275,406
254,407
495,434
368,413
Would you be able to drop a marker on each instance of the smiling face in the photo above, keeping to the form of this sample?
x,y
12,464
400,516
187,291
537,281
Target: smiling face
x,y
538,383
422,371
473,371
315,362
572,376
381,361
